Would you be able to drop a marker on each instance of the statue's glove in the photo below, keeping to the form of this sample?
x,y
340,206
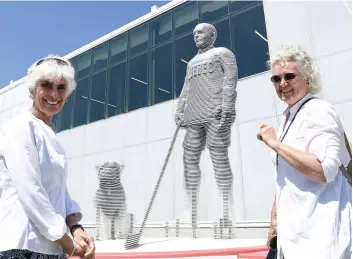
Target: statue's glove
x,y
225,118
179,119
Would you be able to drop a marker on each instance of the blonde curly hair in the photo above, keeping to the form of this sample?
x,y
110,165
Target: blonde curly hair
x,y
306,66
50,68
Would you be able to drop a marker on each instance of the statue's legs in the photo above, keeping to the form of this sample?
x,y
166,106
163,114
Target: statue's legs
x,y
224,177
194,143
218,142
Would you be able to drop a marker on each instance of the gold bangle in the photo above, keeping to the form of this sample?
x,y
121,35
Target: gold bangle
x,y
73,249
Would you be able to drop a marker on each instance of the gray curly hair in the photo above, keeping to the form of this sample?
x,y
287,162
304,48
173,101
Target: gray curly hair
x,y
50,68
306,66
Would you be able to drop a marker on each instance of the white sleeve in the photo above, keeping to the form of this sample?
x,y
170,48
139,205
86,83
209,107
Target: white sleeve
x,y
323,138
22,162
72,206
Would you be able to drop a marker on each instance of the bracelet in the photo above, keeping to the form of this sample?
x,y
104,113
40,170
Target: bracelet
x,y
73,249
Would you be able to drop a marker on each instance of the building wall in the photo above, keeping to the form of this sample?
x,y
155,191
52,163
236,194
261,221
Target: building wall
x,y
140,139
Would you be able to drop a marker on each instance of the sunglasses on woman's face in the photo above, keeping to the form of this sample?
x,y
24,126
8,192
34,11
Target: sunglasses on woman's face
x,y
58,61
286,76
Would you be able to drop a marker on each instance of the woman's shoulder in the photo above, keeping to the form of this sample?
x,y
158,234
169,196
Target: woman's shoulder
x,y
20,121
321,107
323,112
20,124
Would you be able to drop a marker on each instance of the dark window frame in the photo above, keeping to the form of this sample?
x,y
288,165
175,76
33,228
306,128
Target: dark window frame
x,y
147,53
152,95
125,86
124,34
90,95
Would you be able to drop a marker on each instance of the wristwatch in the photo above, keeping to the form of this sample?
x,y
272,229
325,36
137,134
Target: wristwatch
x,y
74,227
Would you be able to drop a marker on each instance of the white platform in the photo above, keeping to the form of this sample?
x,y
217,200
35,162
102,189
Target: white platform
x,y
177,244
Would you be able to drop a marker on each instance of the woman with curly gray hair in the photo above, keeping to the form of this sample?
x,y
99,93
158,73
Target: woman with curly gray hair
x,y
311,215
36,209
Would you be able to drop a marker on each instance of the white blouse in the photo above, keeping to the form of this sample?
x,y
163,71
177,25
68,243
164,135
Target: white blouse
x,y
314,219
34,200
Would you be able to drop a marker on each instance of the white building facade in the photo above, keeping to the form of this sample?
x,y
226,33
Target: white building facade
x,y
128,82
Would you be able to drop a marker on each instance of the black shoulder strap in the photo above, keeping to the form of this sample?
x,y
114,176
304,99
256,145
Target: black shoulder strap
x,y
285,133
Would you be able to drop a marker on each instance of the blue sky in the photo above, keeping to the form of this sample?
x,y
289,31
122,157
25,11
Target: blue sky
x,y
31,30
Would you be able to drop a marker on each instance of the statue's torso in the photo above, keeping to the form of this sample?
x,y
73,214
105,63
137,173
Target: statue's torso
x,y
205,77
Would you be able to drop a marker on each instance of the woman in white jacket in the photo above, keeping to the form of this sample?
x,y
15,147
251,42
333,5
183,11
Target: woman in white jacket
x,y
312,209
35,207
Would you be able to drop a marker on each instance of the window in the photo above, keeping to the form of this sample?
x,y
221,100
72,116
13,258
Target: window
x,y
66,113
162,74
100,57
81,101
84,64
223,34
236,5
138,86
73,62
185,50
98,87
186,17
56,121
161,28
212,10
118,48
139,39
116,94
250,49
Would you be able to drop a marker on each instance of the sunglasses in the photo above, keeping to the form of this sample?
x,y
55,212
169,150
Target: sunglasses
x,y
287,77
58,61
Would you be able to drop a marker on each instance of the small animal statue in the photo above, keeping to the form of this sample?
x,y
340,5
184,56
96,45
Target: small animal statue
x,y
110,201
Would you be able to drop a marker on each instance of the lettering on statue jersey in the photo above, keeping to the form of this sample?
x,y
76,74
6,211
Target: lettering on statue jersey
x,y
199,69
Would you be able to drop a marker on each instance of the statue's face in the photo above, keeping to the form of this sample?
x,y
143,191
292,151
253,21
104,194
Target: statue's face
x,y
202,36
109,173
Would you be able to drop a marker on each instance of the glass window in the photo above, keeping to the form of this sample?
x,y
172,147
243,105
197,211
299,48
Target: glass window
x,y
250,49
100,57
186,17
138,86
161,28
162,74
84,64
98,86
212,10
139,39
73,62
66,113
81,101
223,34
116,95
118,48
236,5
185,50
56,121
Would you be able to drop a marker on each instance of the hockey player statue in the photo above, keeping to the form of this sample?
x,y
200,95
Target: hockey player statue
x,y
110,202
206,108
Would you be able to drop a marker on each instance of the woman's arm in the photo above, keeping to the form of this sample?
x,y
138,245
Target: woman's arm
x,y
322,133
306,163
22,162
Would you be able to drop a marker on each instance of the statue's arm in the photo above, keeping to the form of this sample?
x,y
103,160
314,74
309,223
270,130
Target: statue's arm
x,y
230,68
182,98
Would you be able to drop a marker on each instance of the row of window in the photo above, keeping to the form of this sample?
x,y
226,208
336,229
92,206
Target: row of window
x,y
147,65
